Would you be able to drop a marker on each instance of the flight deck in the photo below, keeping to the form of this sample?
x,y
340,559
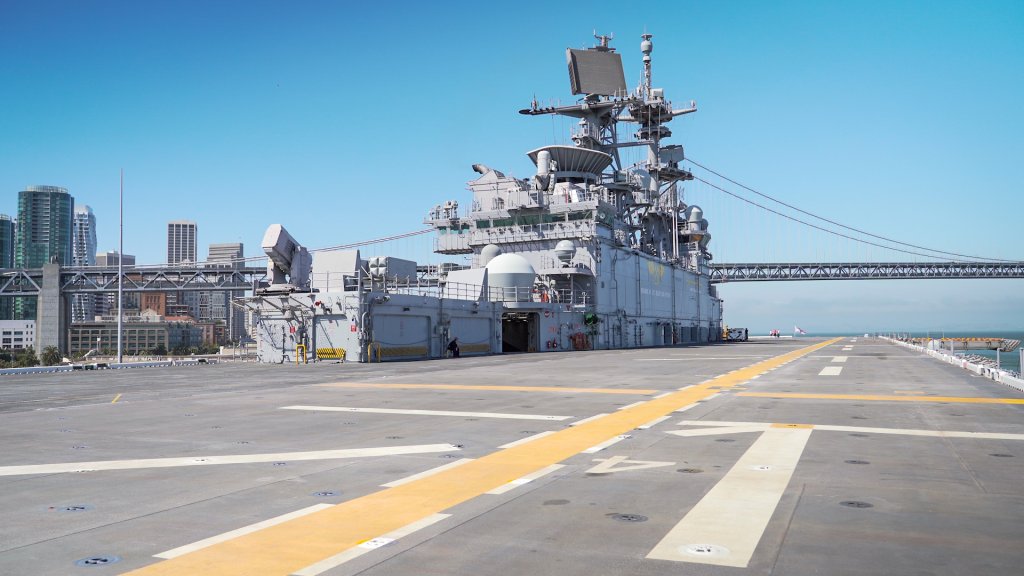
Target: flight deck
x,y
782,456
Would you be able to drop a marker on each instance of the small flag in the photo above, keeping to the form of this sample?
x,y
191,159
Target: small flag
x,y
798,330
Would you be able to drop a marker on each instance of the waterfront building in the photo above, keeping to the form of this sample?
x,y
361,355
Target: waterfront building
x,y
43,234
142,335
83,253
17,334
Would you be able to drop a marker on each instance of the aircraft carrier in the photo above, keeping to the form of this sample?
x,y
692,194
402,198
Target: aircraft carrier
x,y
784,456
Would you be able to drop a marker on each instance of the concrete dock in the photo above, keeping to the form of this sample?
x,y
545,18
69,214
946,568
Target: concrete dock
x,y
792,456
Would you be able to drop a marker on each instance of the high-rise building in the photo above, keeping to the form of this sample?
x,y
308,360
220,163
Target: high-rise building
x,y
106,303
43,235
7,227
181,250
227,255
83,253
181,242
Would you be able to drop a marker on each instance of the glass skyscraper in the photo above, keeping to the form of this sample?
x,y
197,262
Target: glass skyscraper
x,y
45,215
83,253
7,226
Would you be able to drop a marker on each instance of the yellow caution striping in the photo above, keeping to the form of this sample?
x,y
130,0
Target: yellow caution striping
x,y
882,398
330,353
475,348
402,351
294,545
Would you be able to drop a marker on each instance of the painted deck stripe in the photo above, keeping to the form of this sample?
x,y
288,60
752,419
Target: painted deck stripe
x,y
351,553
733,515
663,394
653,423
428,412
598,447
700,358
589,419
525,479
522,441
225,459
831,371
839,358
935,433
628,406
296,544
641,392
426,473
903,431
239,532
685,408
881,398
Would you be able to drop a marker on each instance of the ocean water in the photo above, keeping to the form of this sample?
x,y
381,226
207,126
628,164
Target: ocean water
x,y
1008,360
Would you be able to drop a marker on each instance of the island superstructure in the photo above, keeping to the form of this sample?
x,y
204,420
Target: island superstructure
x,y
587,253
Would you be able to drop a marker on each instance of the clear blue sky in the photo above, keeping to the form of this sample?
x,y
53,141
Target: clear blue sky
x,y
346,121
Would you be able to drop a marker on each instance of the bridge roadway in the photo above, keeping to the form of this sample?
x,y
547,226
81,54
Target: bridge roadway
x,y
808,456
768,272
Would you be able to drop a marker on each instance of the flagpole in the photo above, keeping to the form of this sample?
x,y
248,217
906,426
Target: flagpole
x,y
120,272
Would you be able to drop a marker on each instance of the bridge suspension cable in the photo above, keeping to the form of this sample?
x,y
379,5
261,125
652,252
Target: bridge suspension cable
x,y
324,249
943,253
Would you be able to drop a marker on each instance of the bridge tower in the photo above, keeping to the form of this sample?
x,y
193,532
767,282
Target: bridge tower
x,y
52,312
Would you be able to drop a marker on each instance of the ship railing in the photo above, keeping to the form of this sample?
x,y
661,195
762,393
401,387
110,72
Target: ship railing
x,y
533,232
428,287
474,292
570,296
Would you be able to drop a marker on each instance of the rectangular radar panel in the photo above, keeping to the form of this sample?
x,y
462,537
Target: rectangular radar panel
x,y
596,72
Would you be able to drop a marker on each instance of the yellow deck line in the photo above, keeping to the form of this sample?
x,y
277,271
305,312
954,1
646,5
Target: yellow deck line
x,y
493,388
881,398
285,548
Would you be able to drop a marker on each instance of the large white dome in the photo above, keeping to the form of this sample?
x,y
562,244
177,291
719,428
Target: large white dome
x,y
488,253
510,277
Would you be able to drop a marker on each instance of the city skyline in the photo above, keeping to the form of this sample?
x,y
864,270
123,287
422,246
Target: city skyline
x,y
85,245
897,119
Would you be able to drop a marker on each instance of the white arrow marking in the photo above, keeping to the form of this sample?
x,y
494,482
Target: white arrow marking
x,y
719,430
620,464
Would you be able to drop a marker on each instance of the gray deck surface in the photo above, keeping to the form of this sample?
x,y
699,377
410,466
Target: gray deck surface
x,y
938,504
